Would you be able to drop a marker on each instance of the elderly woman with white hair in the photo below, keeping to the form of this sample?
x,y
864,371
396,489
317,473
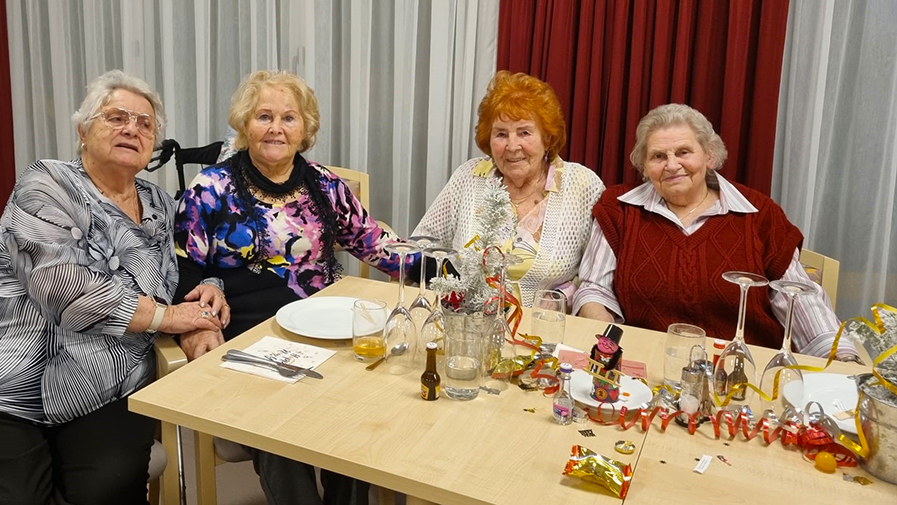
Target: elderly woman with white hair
x,y
658,250
87,274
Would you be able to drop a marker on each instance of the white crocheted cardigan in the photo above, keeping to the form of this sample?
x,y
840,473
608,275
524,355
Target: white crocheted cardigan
x,y
452,218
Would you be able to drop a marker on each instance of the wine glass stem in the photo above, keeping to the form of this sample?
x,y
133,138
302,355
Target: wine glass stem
x,y
402,279
786,343
439,261
423,274
742,306
501,290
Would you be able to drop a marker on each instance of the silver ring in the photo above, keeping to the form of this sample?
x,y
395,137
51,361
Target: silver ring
x,y
205,314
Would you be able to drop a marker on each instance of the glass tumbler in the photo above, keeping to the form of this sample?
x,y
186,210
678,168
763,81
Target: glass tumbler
x,y
465,338
549,316
368,321
680,339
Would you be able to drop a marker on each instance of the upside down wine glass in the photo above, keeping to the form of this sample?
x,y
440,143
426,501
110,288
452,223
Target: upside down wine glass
x,y
736,368
400,331
421,307
433,329
788,378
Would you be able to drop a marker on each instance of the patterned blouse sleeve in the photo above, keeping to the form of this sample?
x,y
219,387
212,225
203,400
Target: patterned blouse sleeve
x,y
361,235
45,231
193,220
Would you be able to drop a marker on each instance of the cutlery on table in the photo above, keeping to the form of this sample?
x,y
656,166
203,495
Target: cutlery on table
x,y
283,369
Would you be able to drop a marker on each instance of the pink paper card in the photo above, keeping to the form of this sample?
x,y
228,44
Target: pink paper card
x,y
578,359
634,368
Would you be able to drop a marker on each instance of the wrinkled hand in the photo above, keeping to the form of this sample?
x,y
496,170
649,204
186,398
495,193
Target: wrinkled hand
x,y
189,316
198,342
210,296
849,357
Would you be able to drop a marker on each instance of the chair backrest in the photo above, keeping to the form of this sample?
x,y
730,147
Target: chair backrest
x,y
823,270
360,185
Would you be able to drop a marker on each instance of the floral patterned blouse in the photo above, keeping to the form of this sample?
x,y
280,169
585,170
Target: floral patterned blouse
x,y
216,235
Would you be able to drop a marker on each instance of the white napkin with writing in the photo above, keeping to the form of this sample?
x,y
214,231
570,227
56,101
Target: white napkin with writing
x,y
284,351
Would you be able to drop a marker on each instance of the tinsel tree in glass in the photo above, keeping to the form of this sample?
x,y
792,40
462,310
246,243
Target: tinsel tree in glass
x,y
877,338
495,223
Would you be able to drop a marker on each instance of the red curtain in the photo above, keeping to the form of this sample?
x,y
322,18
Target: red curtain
x,y
7,147
610,62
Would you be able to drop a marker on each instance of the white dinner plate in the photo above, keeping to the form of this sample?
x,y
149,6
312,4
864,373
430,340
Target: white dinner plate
x,y
581,390
326,317
835,392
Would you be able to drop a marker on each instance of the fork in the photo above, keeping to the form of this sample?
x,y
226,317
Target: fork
x,y
284,369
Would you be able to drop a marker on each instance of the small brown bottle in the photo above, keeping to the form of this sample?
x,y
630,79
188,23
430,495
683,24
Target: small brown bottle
x,y
737,380
429,380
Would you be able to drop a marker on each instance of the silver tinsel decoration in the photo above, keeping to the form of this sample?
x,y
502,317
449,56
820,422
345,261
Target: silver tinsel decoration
x,y
495,224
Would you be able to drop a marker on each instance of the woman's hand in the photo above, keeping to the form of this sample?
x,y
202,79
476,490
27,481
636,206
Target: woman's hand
x,y
189,316
198,342
210,296
594,310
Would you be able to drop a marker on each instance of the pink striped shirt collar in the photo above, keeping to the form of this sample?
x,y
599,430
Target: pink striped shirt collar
x,y
730,199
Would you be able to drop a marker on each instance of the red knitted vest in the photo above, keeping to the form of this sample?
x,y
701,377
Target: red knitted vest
x,y
664,276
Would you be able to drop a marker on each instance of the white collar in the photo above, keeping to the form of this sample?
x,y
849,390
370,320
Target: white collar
x,y
730,199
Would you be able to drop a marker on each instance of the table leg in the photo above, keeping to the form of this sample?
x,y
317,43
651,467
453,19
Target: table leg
x,y
413,500
386,496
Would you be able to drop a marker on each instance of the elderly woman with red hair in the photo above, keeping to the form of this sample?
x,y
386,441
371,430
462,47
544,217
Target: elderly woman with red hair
x,y
521,130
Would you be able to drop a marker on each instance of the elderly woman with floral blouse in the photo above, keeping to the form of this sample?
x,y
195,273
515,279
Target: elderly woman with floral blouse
x,y
87,273
266,221
521,130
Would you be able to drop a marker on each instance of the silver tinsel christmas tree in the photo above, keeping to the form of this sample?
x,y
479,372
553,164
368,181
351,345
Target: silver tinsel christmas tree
x,y
495,223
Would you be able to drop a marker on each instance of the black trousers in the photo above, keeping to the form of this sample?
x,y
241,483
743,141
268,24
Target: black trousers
x,y
289,482
100,458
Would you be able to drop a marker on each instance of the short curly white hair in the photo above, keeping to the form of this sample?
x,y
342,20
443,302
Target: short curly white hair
x,y
100,89
673,114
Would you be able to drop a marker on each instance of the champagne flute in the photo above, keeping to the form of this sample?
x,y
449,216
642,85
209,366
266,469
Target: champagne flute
x,y
502,351
736,368
400,330
433,329
421,307
790,378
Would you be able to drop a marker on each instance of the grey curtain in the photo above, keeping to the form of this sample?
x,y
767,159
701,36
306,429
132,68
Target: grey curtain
x,y
835,171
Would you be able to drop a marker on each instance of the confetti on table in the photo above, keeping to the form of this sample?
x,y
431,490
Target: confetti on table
x,y
625,447
723,459
726,444
662,462
491,391
703,464
859,479
587,433
531,411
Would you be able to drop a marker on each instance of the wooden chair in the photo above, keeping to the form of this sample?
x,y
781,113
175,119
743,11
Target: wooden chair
x,y
169,357
823,270
360,185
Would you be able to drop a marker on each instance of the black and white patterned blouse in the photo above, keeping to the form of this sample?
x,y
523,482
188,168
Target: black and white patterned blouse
x,y
72,265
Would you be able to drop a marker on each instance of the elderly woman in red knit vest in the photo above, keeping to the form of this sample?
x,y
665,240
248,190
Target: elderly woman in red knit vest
x,y
658,249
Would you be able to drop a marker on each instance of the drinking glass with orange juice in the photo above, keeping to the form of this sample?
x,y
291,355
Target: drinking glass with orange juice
x,y
368,320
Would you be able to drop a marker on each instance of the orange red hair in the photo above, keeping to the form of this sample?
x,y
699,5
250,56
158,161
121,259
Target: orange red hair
x,y
520,96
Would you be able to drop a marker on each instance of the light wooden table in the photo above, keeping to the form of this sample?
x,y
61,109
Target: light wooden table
x,y
374,426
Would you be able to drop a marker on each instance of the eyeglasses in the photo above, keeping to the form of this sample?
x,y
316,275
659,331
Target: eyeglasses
x,y
117,118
